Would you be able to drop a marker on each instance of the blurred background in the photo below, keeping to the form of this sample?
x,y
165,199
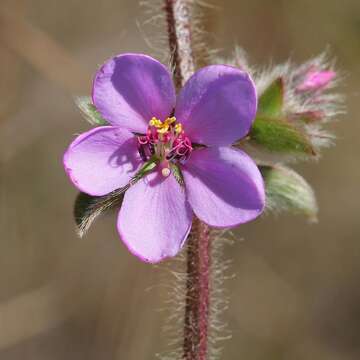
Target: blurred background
x,y
296,293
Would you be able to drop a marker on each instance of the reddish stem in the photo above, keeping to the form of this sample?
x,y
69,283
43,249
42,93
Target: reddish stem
x,y
179,32
203,233
170,19
195,346
197,293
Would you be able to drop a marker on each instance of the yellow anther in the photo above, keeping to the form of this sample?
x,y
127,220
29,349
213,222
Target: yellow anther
x,y
178,128
163,129
170,120
155,122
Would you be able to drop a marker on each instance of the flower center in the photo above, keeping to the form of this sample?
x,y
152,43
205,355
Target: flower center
x,y
166,141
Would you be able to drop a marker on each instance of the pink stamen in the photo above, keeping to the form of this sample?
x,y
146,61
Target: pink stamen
x,y
170,145
181,150
143,140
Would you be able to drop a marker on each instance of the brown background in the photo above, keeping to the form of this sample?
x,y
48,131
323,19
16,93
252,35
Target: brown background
x,y
296,292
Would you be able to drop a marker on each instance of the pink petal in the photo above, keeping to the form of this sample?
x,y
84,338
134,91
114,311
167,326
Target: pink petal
x,y
130,89
224,186
102,160
217,105
155,218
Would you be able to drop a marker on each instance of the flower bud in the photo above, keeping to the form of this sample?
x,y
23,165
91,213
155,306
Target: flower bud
x,y
315,80
287,191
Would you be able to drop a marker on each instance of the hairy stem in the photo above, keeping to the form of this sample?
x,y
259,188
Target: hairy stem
x,y
195,345
179,31
197,293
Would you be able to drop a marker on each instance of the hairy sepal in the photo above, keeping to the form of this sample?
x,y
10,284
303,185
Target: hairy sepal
x,y
287,191
272,99
87,208
273,130
89,112
277,134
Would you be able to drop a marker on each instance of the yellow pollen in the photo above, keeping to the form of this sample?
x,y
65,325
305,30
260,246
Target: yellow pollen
x,y
178,128
165,172
162,127
170,120
155,122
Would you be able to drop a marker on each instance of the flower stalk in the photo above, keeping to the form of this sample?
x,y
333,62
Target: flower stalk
x,y
197,293
178,19
196,318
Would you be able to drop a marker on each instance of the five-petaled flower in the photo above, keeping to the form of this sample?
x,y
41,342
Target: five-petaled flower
x,y
190,134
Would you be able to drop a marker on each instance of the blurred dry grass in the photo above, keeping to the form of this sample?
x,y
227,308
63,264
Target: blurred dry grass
x,y
296,294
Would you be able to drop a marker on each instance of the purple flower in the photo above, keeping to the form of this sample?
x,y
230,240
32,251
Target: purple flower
x,y
192,132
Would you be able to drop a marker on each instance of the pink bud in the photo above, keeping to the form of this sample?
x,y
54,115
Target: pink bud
x,y
315,80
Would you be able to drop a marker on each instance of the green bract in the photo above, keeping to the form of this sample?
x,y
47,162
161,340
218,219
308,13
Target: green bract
x,y
288,191
272,99
272,130
279,135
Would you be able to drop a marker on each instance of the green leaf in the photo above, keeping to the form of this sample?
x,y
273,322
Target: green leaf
x,y
271,100
279,135
89,111
87,208
287,191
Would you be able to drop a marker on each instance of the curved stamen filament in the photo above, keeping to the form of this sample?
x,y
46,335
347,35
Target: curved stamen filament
x,y
166,140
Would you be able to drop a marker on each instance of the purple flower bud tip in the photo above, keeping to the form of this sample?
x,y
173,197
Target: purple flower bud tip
x,y
315,80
